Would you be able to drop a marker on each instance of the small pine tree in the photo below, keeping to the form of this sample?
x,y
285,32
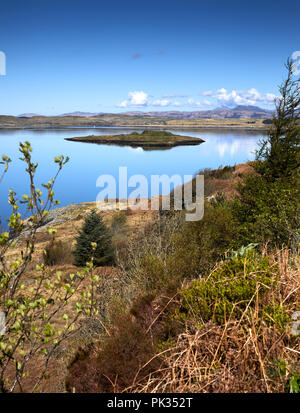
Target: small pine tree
x,y
268,206
93,230
280,151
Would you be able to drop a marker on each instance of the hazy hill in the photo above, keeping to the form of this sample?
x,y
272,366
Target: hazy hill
x,y
218,113
240,117
83,114
238,112
28,115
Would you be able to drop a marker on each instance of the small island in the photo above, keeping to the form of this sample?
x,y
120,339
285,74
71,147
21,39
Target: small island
x,y
148,139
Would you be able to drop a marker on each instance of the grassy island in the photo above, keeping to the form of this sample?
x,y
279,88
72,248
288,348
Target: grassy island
x,y
148,139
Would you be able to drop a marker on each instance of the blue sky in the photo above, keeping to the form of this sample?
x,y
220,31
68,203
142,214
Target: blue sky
x,y
115,56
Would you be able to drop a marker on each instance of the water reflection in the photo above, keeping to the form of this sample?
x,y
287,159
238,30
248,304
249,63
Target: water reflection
x,y
77,182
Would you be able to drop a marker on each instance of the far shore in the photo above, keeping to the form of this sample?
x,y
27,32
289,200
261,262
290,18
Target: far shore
x,y
159,127
141,121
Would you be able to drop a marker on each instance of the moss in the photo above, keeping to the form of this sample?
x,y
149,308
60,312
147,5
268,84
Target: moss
x,y
164,345
275,316
228,290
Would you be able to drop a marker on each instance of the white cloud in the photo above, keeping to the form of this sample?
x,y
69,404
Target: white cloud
x,y
194,103
123,104
137,98
270,97
219,97
191,101
142,99
239,97
163,102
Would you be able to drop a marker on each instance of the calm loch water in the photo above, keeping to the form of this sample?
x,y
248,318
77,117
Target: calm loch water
x,y
77,181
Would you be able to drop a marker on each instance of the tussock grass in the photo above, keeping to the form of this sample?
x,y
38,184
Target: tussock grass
x,y
248,353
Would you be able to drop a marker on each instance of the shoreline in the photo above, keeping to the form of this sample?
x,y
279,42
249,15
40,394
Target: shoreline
x,y
166,127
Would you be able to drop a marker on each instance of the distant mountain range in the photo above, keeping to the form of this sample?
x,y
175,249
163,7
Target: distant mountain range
x,y
237,112
28,115
82,114
218,113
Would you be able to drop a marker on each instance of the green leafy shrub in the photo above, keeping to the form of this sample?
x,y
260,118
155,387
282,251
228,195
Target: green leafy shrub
x,y
228,290
154,271
219,199
182,250
198,245
93,230
41,315
267,211
294,383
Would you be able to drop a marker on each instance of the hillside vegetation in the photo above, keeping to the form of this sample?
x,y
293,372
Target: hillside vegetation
x,y
164,306
161,304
